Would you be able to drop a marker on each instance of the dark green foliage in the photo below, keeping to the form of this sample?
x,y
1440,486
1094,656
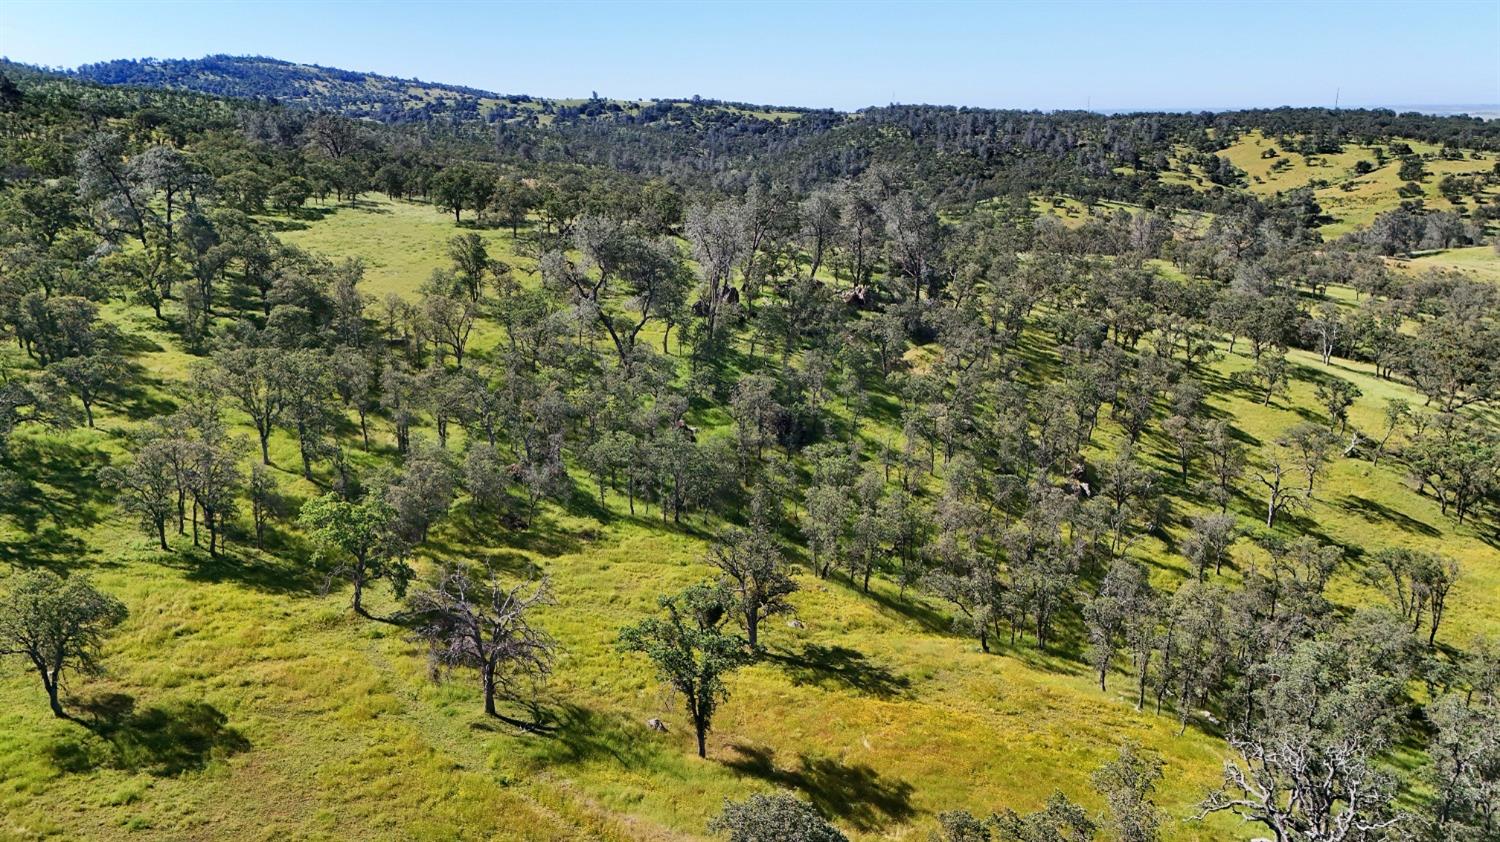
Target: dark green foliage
x,y
357,540
691,651
56,626
779,817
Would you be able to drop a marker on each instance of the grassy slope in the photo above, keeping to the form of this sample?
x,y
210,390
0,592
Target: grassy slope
x,y
1478,262
1365,196
263,710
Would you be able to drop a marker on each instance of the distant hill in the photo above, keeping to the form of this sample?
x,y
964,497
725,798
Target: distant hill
x,y
1201,161
362,95
366,95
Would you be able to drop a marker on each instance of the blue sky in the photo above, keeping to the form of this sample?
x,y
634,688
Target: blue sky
x,y
1118,55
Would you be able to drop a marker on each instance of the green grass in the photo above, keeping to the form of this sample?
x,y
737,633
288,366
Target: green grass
x,y
400,242
1352,200
1073,213
1376,193
262,709
1481,263
1246,152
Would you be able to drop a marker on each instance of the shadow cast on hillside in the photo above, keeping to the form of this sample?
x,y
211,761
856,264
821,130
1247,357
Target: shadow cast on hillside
x,y
918,612
544,536
579,735
261,572
1376,512
54,481
817,665
47,547
853,793
165,740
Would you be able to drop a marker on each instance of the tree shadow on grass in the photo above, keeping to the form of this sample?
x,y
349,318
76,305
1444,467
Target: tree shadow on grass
x,y
821,665
581,501
1058,658
133,396
538,720
1376,512
259,571
578,735
1301,522
853,793
544,536
55,481
1490,535
508,562
48,547
164,740
923,615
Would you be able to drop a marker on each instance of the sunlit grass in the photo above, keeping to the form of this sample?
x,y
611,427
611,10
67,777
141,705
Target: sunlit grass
x,y
332,729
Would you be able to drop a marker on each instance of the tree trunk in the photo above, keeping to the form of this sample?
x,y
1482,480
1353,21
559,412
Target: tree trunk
x,y
359,592
52,701
302,451
488,676
50,682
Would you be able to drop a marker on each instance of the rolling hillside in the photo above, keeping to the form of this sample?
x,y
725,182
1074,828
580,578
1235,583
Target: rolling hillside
x,y
987,458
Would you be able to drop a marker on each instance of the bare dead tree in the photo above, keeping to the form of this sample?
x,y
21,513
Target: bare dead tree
x,y
488,627
1280,495
1300,787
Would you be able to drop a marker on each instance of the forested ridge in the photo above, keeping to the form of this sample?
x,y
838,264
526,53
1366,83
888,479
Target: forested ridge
x,y
708,431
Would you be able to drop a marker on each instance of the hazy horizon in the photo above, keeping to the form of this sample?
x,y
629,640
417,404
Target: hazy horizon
x,y
1486,109
1063,56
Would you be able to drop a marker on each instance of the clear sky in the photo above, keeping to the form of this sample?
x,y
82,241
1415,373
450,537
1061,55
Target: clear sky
x,y
1107,55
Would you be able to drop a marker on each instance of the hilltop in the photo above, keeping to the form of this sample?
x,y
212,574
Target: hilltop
x,y
361,95
370,96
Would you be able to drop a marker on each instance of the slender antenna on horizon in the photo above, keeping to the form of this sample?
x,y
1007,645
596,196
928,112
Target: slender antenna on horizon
x,y
1336,92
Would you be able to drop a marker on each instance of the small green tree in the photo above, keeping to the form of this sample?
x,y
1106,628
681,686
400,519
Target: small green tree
x,y
357,538
1271,375
89,377
1126,784
1310,447
825,526
1337,396
148,488
691,651
1207,545
57,625
755,573
779,817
